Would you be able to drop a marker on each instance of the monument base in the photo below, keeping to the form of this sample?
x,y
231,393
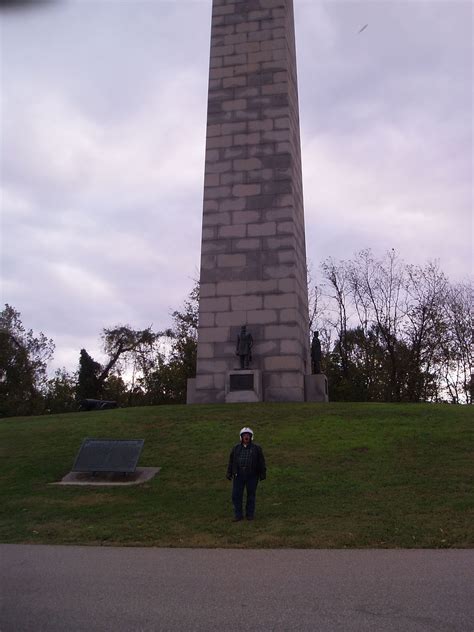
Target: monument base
x,y
243,385
191,391
316,388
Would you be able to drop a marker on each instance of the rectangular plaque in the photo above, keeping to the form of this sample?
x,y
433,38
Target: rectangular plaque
x,y
108,455
241,382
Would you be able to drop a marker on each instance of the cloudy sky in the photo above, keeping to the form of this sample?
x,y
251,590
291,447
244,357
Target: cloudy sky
x,y
103,117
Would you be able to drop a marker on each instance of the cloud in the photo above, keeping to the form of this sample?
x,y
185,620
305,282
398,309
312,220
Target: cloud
x,y
387,134
102,156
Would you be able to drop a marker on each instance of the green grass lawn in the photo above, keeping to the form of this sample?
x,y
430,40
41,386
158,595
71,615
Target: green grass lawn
x,y
339,475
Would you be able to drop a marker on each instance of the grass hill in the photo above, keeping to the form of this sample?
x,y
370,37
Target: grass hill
x,y
339,475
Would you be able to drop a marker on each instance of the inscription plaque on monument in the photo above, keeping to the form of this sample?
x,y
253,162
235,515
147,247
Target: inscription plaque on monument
x,y
243,382
108,455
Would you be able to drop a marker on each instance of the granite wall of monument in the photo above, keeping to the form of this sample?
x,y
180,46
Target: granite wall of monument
x,y
253,256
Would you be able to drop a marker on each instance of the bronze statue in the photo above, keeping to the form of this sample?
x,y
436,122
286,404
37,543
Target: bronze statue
x,y
244,347
316,354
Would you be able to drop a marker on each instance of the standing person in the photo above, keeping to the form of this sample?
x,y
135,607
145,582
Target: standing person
x,y
246,467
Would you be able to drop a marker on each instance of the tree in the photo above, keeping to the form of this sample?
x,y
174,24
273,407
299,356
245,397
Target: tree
x,y
121,344
23,362
337,276
403,332
115,389
167,382
60,395
427,289
184,345
88,386
376,287
318,316
456,364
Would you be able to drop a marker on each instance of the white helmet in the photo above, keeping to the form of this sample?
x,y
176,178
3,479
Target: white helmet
x,y
249,430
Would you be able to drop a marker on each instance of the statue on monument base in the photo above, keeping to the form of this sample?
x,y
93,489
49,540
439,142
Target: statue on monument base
x,y
244,347
316,354
316,384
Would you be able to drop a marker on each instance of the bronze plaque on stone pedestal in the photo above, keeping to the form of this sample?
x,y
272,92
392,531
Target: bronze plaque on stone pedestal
x,y
241,382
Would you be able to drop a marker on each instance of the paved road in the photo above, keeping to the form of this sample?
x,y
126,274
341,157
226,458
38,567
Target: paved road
x,y
94,589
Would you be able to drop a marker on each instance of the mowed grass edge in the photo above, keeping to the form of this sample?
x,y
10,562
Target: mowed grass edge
x,y
339,475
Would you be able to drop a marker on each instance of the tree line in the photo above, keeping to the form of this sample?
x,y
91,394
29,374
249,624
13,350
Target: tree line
x,y
390,331
142,367
394,332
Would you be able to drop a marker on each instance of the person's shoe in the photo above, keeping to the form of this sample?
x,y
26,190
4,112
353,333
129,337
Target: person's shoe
x,y
236,519
249,517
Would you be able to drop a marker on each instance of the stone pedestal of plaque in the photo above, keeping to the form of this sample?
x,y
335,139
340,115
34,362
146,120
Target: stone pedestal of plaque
x,y
316,388
243,386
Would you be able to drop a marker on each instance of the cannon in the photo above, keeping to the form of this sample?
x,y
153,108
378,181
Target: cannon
x,y
96,404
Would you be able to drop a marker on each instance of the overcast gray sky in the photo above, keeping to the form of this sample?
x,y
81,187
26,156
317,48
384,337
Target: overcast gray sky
x,y
103,118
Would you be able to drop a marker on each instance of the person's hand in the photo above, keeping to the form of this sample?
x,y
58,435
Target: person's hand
x,y
229,477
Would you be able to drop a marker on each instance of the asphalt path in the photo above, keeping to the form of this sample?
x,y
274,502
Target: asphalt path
x,y
75,589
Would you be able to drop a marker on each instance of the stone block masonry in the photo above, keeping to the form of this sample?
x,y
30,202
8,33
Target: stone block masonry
x,y
253,257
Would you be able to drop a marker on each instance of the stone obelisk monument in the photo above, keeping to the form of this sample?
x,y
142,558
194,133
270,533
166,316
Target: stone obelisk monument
x,y
253,258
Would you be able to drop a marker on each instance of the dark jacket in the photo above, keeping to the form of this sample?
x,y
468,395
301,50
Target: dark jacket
x,y
257,461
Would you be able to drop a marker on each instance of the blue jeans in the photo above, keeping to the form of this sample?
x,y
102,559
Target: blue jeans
x,y
239,484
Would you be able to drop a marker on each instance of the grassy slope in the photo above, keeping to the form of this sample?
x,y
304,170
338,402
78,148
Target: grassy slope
x,y
339,475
